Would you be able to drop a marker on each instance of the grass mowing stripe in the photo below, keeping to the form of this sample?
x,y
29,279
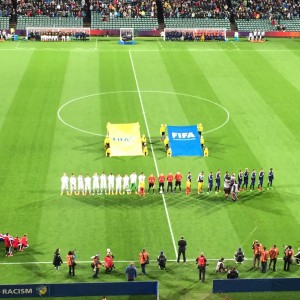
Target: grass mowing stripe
x,y
152,150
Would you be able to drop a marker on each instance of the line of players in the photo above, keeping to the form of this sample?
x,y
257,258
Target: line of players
x,y
134,183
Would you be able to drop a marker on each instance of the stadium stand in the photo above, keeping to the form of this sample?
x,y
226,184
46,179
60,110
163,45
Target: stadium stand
x,y
45,21
4,23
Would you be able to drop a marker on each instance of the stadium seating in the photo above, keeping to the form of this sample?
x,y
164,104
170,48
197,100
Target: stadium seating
x,y
45,21
4,23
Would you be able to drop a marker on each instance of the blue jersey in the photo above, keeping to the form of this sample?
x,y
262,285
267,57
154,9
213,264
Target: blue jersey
x,y
246,175
271,175
218,178
261,175
240,177
210,178
253,176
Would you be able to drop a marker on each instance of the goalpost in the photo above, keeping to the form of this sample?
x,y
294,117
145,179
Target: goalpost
x,y
55,34
127,36
194,34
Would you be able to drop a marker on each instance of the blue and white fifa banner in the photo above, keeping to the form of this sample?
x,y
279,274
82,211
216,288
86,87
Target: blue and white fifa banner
x,y
184,140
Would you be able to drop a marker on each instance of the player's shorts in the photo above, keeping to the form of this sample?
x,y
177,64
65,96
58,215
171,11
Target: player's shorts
x,y
200,186
80,186
151,185
64,186
96,186
177,183
227,191
87,187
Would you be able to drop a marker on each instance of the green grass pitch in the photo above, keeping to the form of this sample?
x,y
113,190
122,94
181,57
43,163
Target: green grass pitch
x,y
152,82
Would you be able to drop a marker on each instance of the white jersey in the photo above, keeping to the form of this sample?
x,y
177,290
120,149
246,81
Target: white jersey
x,y
142,178
73,183
111,182
95,182
87,183
64,182
118,183
133,178
80,181
126,183
103,181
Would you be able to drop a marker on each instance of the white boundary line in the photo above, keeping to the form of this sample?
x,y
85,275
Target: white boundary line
x,y
116,261
154,158
139,92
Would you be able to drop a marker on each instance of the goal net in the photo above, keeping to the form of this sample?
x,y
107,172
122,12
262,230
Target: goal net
x,y
194,34
55,34
126,36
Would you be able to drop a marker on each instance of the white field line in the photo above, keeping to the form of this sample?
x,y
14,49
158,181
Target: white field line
x,y
116,261
152,150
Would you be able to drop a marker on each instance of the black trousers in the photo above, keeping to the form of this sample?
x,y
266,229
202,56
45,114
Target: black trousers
x,y
201,273
179,254
72,270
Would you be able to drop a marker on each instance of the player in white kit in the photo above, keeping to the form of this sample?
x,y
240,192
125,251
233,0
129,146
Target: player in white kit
x,y
73,184
80,181
103,183
87,184
141,180
126,184
64,184
133,179
95,184
111,183
118,184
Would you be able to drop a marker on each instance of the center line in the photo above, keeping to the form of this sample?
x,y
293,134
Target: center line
x,y
154,158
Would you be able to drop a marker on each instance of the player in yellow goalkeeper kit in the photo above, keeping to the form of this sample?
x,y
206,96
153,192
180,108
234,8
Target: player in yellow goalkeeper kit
x,y
145,150
205,151
162,131
202,142
107,152
169,152
143,140
200,128
106,142
166,142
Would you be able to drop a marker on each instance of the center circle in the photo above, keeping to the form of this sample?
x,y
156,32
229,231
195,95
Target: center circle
x,y
70,111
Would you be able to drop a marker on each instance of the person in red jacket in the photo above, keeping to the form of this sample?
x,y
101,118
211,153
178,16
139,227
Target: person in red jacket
x,y
71,262
161,183
201,262
108,263
24,242
151,182
7,245
16,243
178,178
264,259
170,179
274,252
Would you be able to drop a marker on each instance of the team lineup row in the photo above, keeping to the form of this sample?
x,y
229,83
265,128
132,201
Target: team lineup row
x,y
133,183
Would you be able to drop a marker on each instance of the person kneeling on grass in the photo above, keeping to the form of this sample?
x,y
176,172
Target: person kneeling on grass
x,y
220,267
233,273
162,261
239,256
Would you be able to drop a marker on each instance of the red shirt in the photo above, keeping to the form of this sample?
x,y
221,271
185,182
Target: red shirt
x,y
16,243
108,262
24,241
170,178
7,241
201,261
151,179
161,178
178,177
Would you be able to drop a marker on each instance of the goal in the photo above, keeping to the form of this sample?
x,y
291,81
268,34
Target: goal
x,y
127,36
194,34
56,34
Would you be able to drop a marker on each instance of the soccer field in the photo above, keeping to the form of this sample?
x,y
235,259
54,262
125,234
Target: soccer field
x,y
56,100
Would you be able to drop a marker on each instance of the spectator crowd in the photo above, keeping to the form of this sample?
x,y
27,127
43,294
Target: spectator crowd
x,y
108,9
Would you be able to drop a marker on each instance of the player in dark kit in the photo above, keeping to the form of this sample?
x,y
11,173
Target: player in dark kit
x,y
210,182
218,181
181,249
246,178
270,178
253,178
240,179
261,175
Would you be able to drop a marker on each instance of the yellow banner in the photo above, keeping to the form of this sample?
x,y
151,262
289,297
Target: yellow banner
x,y
125,139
